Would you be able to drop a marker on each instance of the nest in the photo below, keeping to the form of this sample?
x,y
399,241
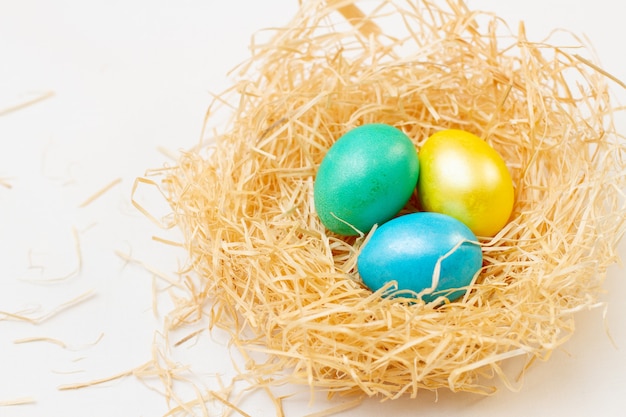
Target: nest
x,y
288,291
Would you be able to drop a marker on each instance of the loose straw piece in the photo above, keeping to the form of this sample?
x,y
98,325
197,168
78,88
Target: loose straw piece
x,y
17,401
159,274
55,341
600,70
26,103
41,339
5,183
279,283
37,319
74,272
98,381
99,193
355,16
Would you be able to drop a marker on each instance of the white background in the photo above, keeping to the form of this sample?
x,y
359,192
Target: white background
x,y
128,78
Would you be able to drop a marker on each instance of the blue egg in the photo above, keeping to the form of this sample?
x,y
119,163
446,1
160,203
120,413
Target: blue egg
x,y
408,249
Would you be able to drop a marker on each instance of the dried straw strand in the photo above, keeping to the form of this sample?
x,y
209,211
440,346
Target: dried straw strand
x,y
281,285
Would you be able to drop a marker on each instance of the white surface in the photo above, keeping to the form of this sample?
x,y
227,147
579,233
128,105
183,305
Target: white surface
x,y
131,76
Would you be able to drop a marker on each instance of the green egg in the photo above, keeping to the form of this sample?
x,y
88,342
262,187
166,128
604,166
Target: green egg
x,y
366,177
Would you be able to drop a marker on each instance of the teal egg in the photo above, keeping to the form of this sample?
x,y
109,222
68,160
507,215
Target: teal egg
x,y
365,178
408,248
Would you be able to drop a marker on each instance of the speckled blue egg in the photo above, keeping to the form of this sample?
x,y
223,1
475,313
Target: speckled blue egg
x,y
408,248
365,178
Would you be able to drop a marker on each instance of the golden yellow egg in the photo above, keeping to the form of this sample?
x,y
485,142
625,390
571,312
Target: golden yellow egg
x,y
464,177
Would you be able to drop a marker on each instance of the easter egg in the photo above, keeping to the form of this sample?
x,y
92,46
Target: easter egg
x,y
464,177
417,249
365,178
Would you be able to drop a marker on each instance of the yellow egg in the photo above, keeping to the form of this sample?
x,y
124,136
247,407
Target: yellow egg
x,y
464,177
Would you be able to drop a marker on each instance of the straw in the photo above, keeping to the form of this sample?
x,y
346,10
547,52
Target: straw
x,y
288,291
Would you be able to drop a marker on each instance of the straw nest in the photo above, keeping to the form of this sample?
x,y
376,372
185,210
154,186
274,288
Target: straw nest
x,y
288,291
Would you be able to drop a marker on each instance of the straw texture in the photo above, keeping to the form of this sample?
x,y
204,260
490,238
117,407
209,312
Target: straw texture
x,y
288,291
